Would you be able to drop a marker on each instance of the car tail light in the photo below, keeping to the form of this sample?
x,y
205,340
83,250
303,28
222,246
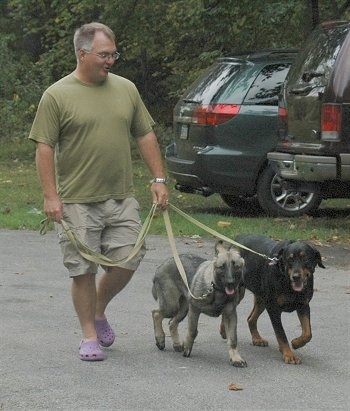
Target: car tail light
x,y
282,124
331,122
214,114
283,115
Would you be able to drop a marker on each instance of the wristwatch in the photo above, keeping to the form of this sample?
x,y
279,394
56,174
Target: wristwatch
x,y
163,180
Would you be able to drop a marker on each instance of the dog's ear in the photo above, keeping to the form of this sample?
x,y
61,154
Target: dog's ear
x,y
318,258
279,259
222,246
280,254
242,262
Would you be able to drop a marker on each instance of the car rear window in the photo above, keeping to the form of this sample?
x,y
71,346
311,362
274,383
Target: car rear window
x,y
314,64
267,85
211,85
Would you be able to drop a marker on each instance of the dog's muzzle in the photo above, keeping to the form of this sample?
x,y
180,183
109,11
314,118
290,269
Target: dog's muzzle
x,y
298,283
230,290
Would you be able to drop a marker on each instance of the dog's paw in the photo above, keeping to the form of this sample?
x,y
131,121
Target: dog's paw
x,y
260,342
178,347
186,351
238,363
160,343
291,358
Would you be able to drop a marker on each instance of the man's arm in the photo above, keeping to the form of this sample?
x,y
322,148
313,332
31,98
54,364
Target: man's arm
x,y
150,152
45,165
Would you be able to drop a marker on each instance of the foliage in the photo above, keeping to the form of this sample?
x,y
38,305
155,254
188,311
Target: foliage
x,y
17,98
164,44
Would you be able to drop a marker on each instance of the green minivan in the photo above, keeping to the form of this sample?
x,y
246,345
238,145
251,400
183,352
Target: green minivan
x,y
224,126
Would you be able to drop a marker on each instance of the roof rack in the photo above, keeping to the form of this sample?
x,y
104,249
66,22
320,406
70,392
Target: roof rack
x,y
263,53
271,52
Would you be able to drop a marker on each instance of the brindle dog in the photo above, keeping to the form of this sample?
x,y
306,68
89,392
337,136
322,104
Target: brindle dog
x,y
217,283
285,285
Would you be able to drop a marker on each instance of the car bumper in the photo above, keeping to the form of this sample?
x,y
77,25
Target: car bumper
x,y
183,171
310,168
212,170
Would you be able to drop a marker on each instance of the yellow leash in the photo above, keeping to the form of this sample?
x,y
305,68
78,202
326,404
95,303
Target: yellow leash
x,y
176,256
213,232
95,256
177,259
99,258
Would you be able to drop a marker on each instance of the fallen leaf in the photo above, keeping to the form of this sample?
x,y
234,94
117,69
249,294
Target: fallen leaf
x,y
223,224
317,242
235,387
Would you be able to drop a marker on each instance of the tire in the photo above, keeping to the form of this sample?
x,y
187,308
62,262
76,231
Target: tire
x,y
277,198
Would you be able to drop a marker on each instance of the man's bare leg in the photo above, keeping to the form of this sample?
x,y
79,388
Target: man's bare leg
x,y
84,300
110,284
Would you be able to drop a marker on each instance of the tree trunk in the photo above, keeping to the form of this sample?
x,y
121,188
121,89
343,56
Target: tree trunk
x,y
315,15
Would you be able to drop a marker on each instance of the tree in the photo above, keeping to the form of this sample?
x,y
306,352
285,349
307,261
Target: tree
x,y
165,44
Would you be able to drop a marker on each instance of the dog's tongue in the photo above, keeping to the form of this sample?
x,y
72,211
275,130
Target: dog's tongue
x,y
229,291
298,286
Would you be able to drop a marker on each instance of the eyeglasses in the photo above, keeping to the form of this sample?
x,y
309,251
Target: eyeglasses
x,y
105,55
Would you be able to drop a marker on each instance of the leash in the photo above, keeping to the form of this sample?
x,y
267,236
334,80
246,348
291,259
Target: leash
x,y
215,233
177,259
95,256
99,258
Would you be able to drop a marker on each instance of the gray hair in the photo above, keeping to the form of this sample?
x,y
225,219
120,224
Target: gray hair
x,y
84,35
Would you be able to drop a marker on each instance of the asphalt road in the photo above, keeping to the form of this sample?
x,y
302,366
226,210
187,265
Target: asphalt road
x,y
40,369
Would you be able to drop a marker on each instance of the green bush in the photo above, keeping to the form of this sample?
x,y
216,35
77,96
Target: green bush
x,y
21,86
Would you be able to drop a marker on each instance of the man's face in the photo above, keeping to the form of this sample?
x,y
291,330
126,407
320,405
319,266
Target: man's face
x,y
96,64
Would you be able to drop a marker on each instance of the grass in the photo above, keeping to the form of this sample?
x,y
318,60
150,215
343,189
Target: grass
x,y
21,208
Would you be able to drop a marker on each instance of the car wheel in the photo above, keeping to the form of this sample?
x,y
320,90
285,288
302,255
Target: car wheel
x,y
280,199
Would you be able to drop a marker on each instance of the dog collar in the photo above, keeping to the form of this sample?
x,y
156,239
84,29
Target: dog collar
x,y
210,290
214,287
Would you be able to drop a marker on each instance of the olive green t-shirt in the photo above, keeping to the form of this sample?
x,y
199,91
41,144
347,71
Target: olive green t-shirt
x,y
90,127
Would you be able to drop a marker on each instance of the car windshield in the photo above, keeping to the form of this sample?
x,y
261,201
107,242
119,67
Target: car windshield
x,y
212,83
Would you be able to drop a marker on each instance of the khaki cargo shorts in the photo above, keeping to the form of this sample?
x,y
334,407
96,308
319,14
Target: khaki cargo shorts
x,y
110,228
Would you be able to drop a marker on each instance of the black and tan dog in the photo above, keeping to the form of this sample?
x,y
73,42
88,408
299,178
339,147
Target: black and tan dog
x,y
284,285
217,283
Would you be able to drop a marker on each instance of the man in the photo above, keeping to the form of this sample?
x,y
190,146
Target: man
x,y
82,130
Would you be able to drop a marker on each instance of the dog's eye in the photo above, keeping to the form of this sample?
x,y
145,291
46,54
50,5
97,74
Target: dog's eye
x,y
310,264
